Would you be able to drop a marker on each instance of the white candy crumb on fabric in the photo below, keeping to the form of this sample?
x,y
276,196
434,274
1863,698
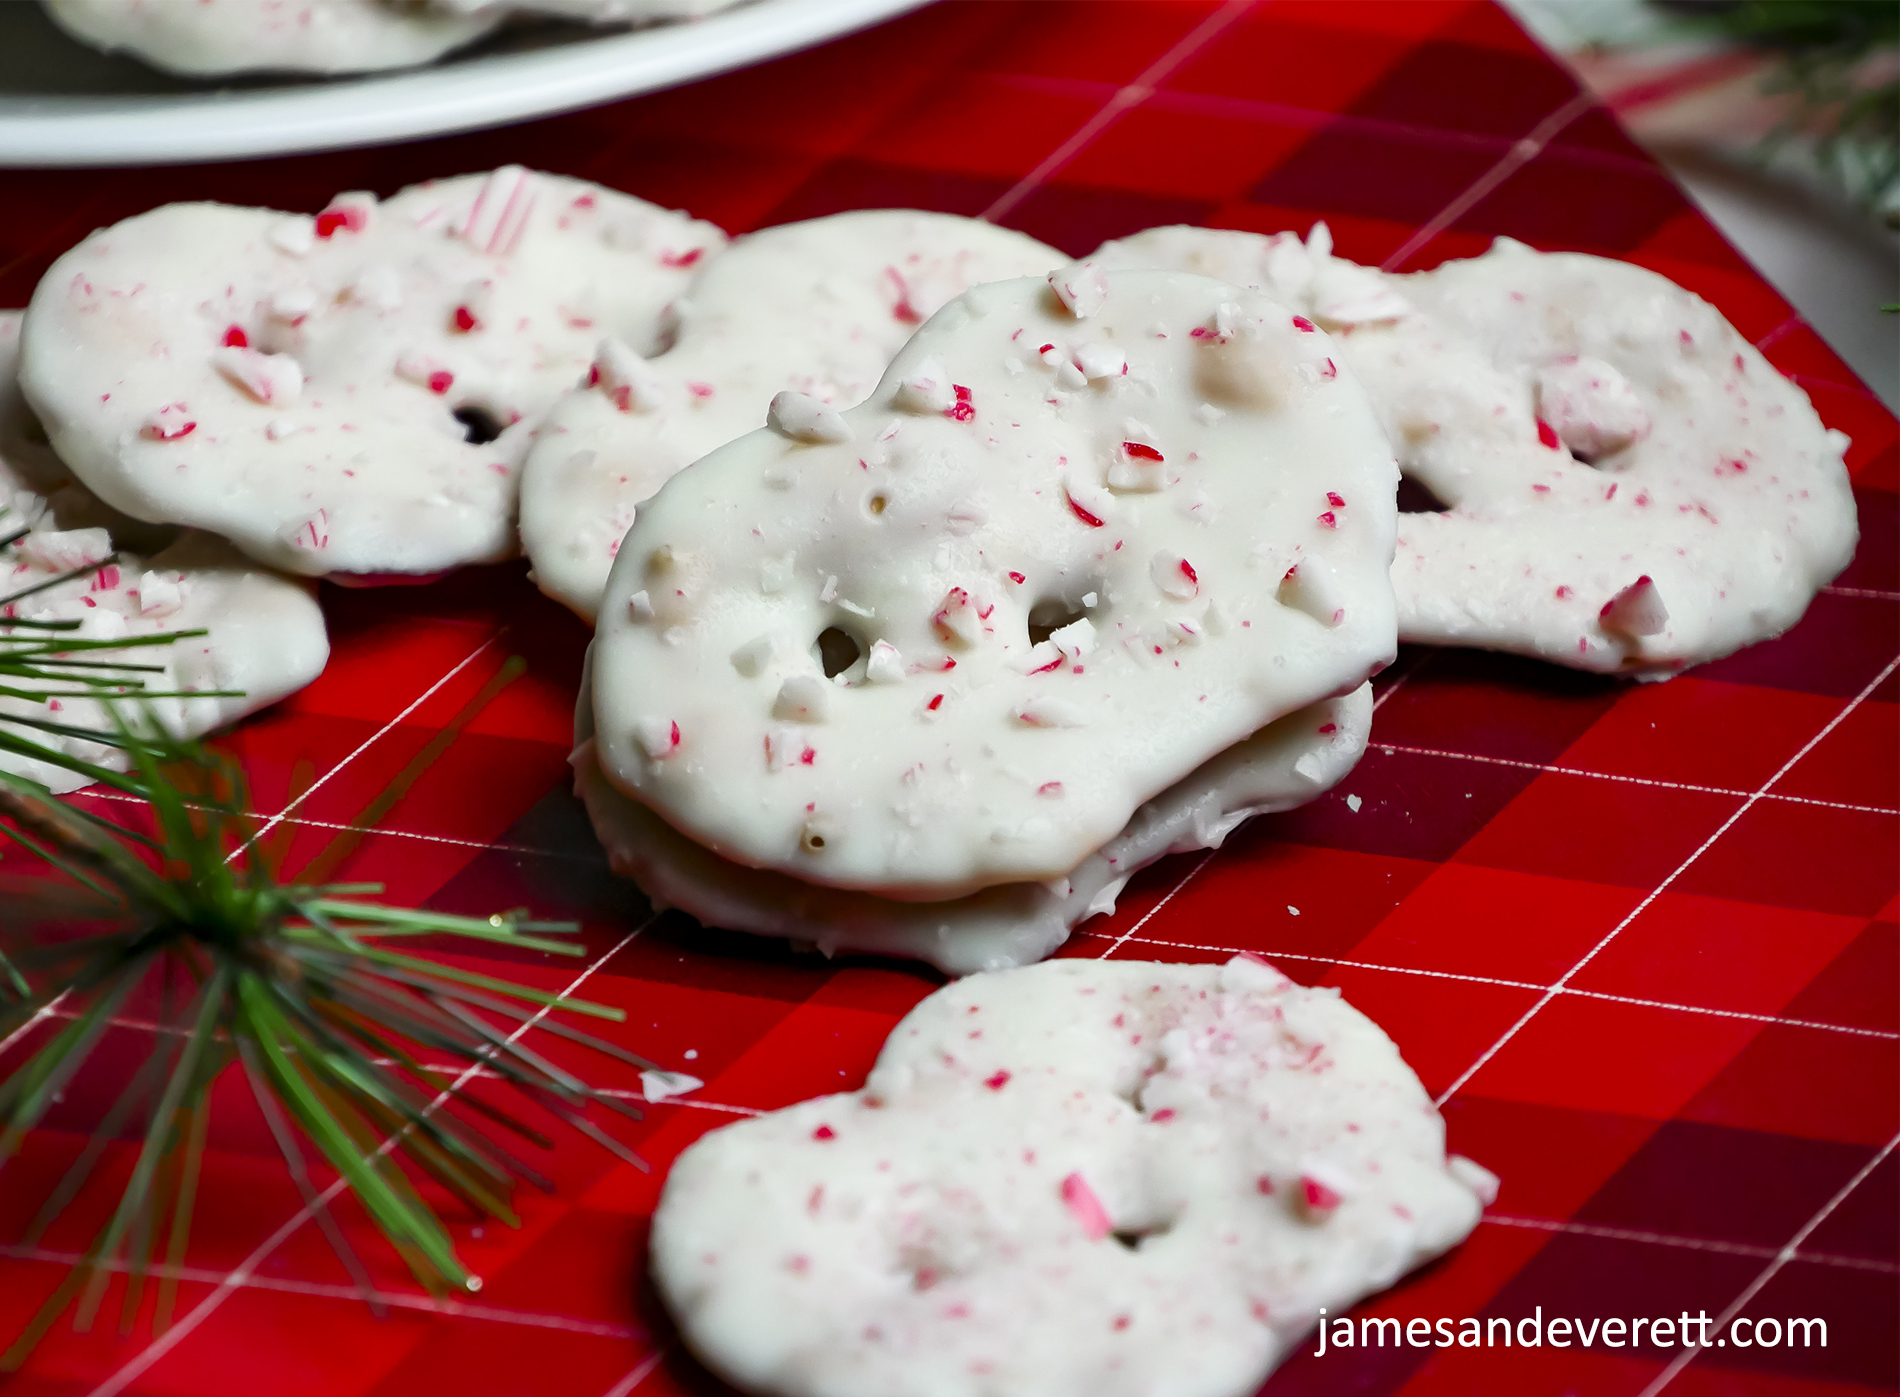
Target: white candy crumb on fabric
x,y
661,1086
1085,1178
1353,803
1292,911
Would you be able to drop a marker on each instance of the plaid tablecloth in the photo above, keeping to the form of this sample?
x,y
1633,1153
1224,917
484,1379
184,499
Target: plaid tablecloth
x,y
1640,941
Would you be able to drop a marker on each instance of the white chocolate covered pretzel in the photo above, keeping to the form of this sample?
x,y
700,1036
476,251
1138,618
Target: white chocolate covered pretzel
x,y
1284,765
819,307
1630,487
1181,487
1082,1179
266,636
349,393
205,38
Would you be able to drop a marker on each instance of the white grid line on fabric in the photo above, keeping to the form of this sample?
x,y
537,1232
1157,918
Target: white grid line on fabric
x,y
1656,892
202,1311
1605,996
1664,1239
1661,784
362,747
1255,112
1209,856
48,1010
325,1290
1520,155
642,1371
1793,322
1125,100
1187,878
1790,1251
1399,683
339,827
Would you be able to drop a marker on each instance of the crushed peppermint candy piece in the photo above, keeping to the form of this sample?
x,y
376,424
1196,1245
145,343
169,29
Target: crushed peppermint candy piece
x,y
659,738
1048,711
1100,361
169,423
803,698
1080,287
628,380
496,220
805,418
885,665
1636,611
926,388
1175,576
269,378
1085,1207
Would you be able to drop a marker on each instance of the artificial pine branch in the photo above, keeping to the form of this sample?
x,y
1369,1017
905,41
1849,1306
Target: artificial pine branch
x,y
286,980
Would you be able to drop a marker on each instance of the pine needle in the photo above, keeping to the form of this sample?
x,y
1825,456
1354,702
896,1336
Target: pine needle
x,y
287,980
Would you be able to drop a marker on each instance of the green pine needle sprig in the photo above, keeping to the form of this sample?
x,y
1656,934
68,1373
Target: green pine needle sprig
x,y
350,1045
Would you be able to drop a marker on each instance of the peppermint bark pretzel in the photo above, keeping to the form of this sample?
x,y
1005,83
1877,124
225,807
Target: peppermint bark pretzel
x,y
1286,764
820,307
350,393
1161,472
205,38
265,636
1084,1179
1629,486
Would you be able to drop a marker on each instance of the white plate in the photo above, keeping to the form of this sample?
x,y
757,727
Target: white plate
x,y
124,114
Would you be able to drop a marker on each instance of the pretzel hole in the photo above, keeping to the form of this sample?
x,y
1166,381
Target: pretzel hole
x,y
479,426
836,651
1414,498
1132,1237
1050,615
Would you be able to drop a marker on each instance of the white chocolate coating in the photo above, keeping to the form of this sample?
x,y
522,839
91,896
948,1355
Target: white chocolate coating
x,y
267,636
820,307
1045,491
205,38
1282,766
1083,1179
1632,488
290,382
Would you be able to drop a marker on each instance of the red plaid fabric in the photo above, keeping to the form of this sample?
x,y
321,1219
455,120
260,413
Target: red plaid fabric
x,y
1641,941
